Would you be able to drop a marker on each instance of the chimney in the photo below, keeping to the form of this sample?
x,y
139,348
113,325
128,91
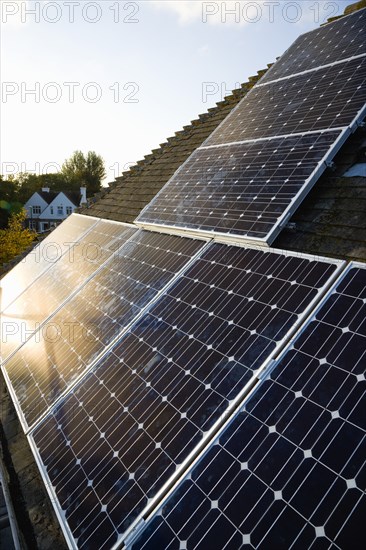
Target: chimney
x,y
45,189
83,196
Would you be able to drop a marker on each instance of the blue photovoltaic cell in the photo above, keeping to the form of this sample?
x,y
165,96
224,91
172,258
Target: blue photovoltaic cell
x,y
333,42
41,299
241,189
43,256
45,366
112,443
327,98
289,470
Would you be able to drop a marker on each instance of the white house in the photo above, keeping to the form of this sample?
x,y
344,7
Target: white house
x,y
46,209
36,205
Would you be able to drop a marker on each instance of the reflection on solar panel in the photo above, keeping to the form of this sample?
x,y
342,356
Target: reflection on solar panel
x,y
83,258
110,446
48,251
240,189
327,98
329,44
289,470
56,355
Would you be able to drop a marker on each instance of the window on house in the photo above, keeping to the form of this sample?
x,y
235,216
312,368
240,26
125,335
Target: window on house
x,y
51,210
36,209
60,210
68,210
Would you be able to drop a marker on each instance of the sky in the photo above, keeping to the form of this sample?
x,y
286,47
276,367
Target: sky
x,y
120,77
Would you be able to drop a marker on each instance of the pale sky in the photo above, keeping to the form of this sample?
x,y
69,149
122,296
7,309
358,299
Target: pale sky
x,y
119,77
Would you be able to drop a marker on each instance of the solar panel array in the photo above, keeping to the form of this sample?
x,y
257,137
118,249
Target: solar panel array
x,y
289,470
146,345
59,282
63,348
111,445
44,255
332,95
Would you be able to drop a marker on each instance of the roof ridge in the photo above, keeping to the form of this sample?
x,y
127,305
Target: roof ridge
x,y
356,6
348,10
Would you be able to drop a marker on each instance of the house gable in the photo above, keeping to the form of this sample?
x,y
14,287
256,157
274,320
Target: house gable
x,y
61,207
35,201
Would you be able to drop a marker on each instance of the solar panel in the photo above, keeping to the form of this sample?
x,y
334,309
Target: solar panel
x,y
289,469
113,443
62,349
327,98
83,258
331,43
43,256
244,189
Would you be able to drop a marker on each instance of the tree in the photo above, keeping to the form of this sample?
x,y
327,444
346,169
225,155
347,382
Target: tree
x,y
30,183
15,239
86,170
9,201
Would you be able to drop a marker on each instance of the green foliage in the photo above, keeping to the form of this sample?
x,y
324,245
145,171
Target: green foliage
x,y
88,171
15,239
9,202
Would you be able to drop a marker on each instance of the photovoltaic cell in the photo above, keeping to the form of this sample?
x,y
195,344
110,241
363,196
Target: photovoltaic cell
x,y
240,189
62,349
327,98
55,286
289,470
43,256
333,42
111,444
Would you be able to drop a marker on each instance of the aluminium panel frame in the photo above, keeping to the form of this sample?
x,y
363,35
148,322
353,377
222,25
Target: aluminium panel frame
x,y
314,177
307,71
